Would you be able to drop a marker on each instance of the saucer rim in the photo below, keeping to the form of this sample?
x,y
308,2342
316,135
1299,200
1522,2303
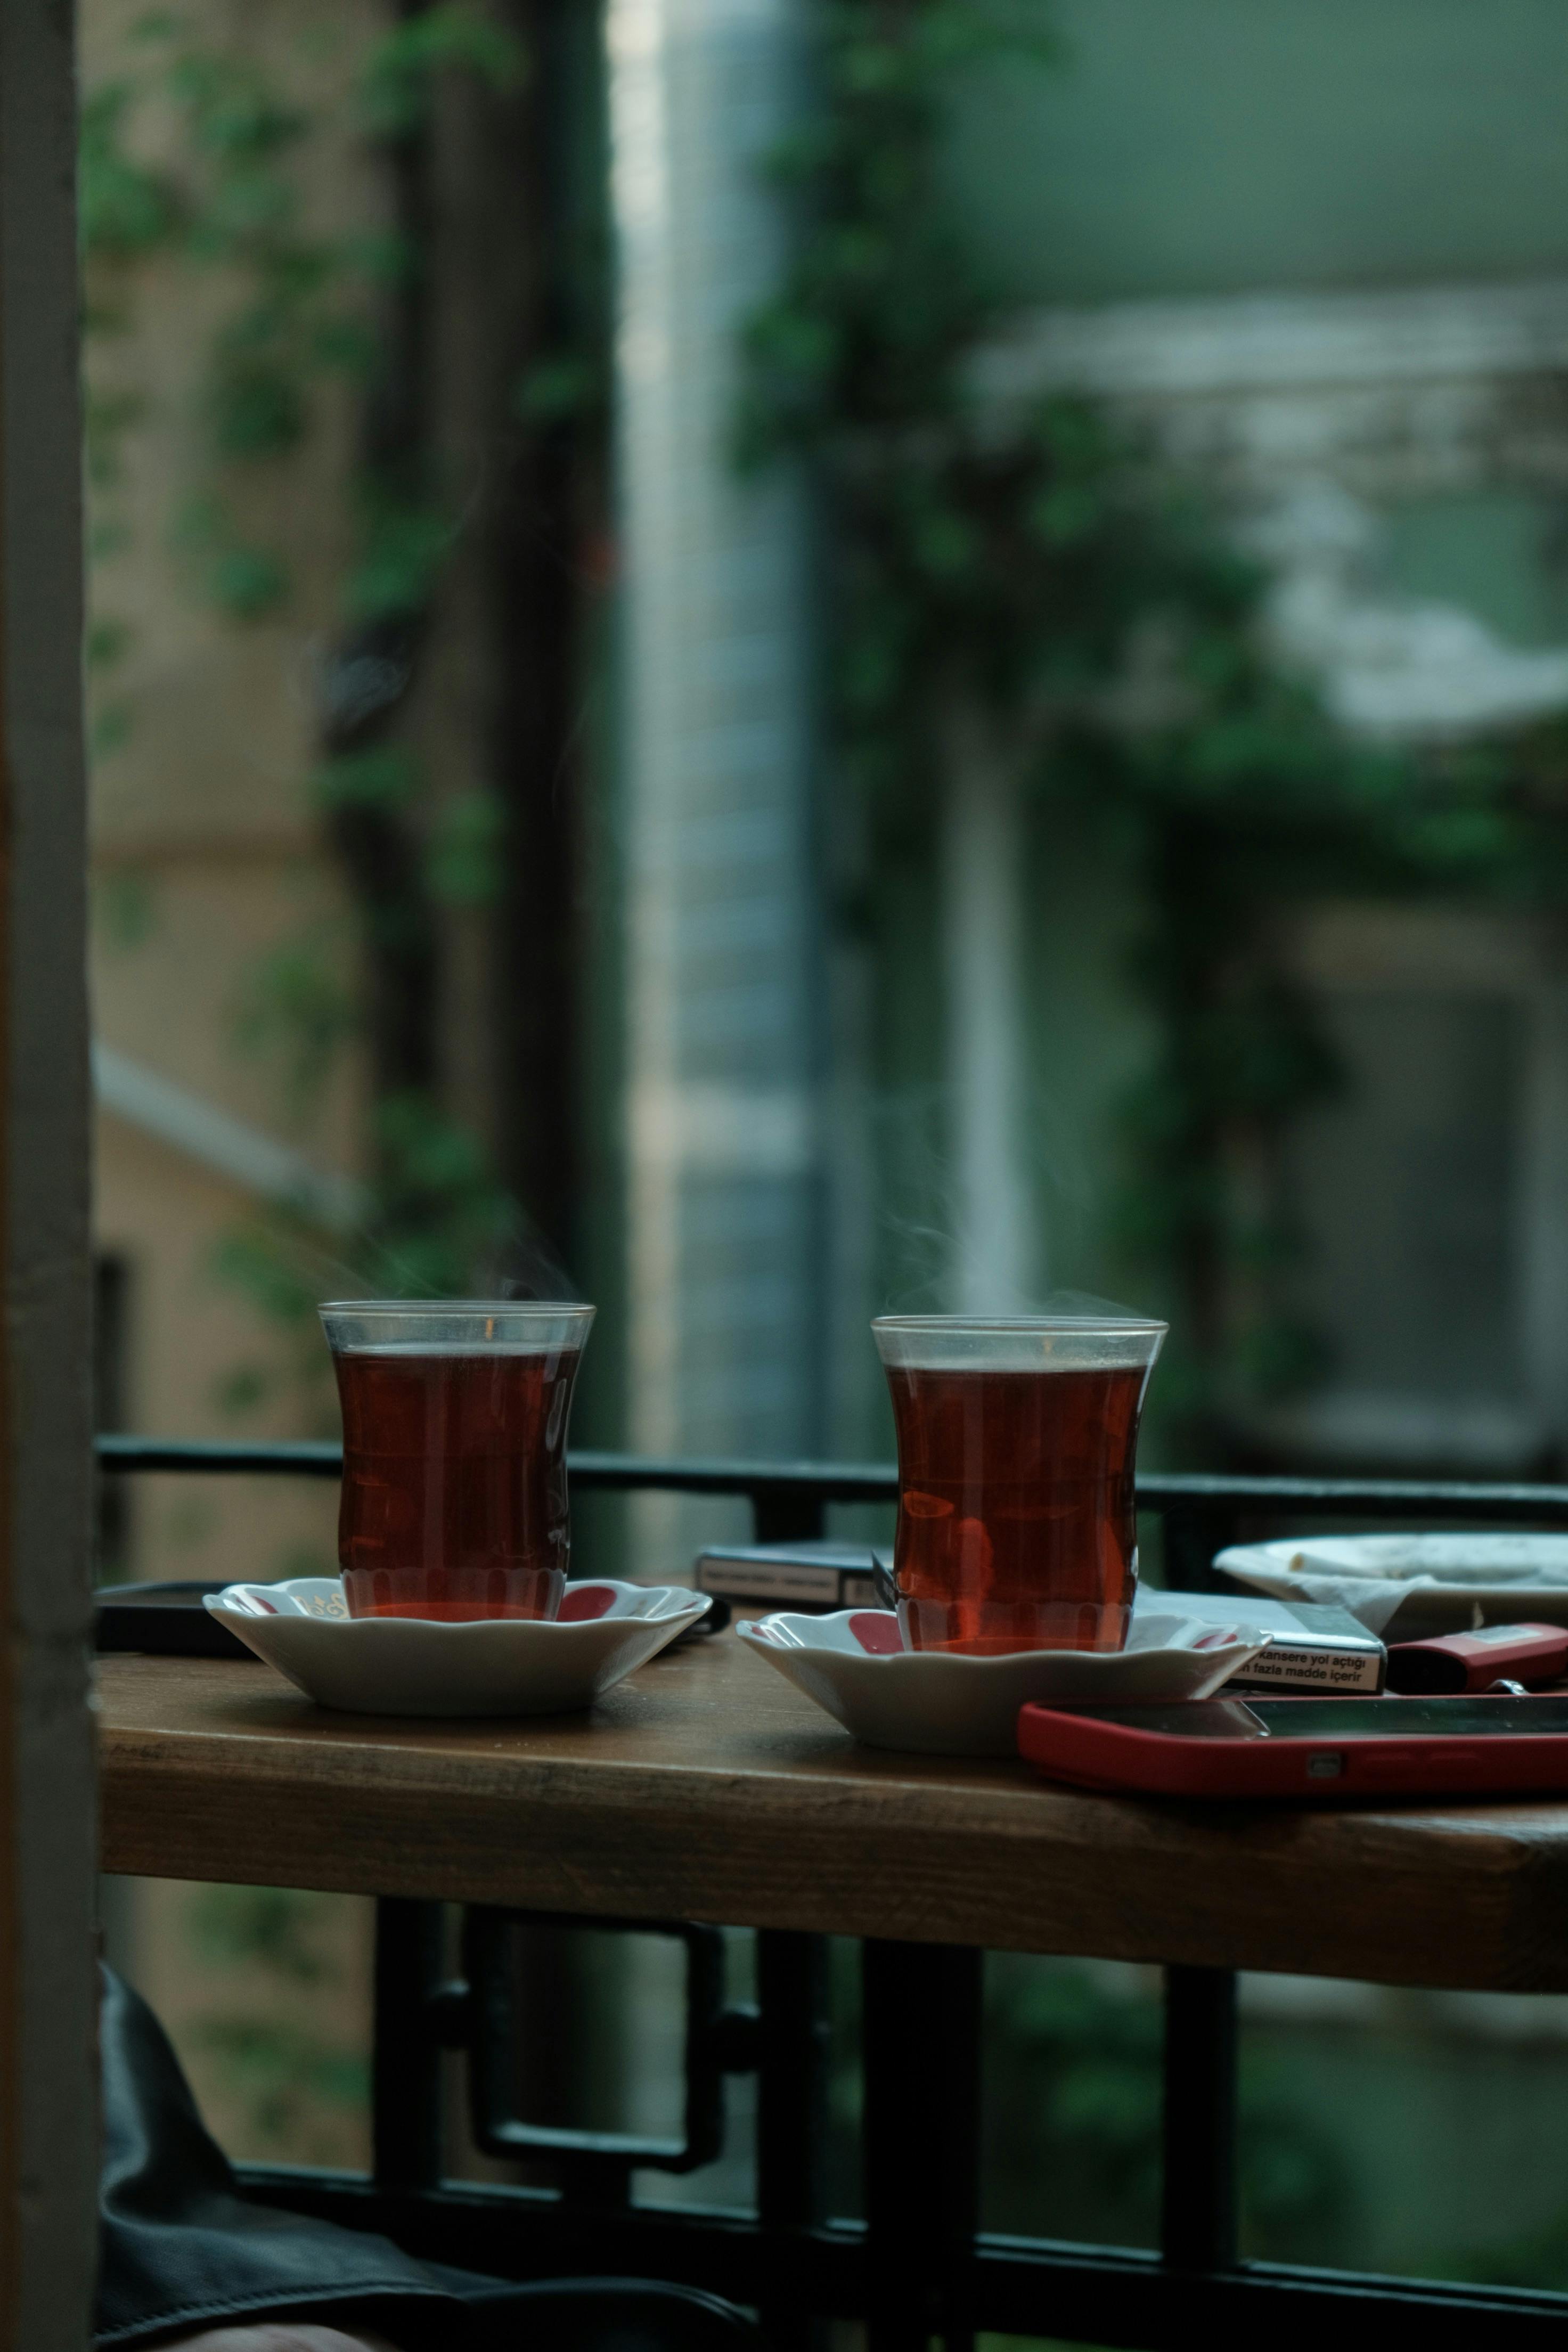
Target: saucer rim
x,y
1247,1637
697,1605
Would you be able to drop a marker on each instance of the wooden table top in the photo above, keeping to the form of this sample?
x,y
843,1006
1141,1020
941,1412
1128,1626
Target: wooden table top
x,y
706,1788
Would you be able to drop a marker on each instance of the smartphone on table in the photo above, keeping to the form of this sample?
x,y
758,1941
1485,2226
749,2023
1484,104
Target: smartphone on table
x,y
1315,1748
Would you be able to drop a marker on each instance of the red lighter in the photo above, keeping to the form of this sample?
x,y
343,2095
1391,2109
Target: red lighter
x,y
1527,1655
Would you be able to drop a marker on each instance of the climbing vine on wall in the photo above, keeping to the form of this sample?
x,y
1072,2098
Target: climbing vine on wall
x,y
1041,570
203,155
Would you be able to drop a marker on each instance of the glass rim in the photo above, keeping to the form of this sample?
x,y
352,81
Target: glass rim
x,y
455,1307
955,1323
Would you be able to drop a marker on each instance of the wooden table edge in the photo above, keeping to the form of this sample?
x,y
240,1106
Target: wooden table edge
x,y
1469,1896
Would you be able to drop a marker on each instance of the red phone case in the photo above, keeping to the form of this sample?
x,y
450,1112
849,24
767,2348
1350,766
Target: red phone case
x,y
1094,1754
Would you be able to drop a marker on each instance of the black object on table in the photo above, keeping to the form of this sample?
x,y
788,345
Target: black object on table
x,y
163,1620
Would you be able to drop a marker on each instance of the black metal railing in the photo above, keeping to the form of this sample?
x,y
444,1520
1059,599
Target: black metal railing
x,y
917,2267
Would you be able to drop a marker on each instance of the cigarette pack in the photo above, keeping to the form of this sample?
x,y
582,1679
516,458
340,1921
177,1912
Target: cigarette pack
x,y
1315,1647
808,1576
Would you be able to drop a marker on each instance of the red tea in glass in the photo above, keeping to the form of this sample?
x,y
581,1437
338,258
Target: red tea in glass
x,y
454,1495
1017,1444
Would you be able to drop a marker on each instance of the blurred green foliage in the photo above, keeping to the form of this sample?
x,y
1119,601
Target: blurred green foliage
x,y
402,68
270,1924
286,2075
288,2078
291,306
1538,2258
1039,570
297,1005
1073,2111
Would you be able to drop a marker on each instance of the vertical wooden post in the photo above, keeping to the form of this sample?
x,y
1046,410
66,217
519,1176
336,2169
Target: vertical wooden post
x,y
49,2125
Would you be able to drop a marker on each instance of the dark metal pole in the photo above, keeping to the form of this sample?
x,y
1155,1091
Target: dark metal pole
x,y
785,1514
1199,2230
1194,1533
920,2044
406,2065
792,2105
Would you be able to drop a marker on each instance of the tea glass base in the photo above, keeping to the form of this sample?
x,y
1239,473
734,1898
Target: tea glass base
x,y
970,1629
455,1595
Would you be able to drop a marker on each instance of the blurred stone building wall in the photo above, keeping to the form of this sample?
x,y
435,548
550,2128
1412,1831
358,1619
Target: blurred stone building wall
x,y
205,862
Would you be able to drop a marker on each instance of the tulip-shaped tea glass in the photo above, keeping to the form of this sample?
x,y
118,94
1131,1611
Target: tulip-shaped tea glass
x,y
1017,1439
455,1413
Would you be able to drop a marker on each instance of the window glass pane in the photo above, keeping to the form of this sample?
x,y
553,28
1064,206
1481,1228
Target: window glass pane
x,y
1407,1185
1411,2132
1211,145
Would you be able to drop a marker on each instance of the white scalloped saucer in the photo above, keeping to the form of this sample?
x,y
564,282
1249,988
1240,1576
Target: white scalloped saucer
x,y
487,1665
934,1703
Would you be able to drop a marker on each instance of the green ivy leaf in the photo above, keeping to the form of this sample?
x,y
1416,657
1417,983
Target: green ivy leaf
x,y
383,775
258,409
570,384
124,907
108,641
108,731
248,583
464,865
404,547
398,82
126,209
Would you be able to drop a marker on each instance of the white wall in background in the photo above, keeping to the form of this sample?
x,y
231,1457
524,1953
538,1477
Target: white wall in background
x,y
722,948
996,1267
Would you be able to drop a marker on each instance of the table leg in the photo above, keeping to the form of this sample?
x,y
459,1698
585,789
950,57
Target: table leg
x,y
1198,2222
792,2104
405,2075
921,2044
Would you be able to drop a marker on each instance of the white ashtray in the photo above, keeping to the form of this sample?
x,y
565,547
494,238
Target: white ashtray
x,y
485,1665
1433,1584
934,1703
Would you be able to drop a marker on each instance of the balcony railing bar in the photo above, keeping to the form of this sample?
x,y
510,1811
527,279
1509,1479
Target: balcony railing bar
x,y
1111,2295
874,1482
